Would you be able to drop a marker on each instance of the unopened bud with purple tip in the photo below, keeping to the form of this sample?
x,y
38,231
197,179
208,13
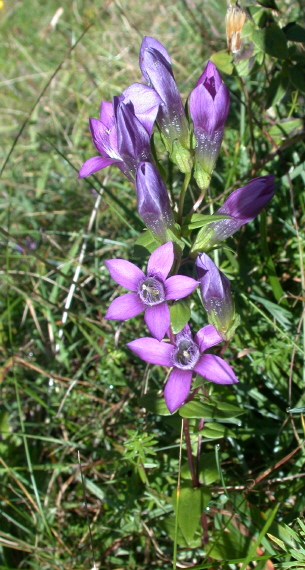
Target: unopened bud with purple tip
x,y
216,297
243,205
153,201
156,67
209,106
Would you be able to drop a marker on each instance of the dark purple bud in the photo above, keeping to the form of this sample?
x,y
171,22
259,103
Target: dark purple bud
x,y
133,139
153,201
243,205
216,296
156,67
209,106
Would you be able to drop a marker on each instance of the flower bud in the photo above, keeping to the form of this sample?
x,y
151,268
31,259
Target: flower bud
x,y
243,205
216,297
156,67
209,107
153,201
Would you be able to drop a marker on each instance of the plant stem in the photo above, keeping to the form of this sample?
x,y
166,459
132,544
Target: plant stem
x,y
189,452
182,196
177,501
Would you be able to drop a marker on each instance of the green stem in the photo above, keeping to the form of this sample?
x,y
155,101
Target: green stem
x,y
189,452
182,197
177,501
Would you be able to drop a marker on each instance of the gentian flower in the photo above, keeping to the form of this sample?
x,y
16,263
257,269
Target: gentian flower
x,y
243,205
153,201
186,356
216,297
156,68
209,106
150,292
122,135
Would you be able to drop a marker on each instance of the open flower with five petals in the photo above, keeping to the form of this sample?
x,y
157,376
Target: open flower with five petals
x,y
150,292
186,356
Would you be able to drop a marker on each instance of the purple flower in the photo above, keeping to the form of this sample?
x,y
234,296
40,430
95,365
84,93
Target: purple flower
x,y
122,135
156,68
185,356
243,205
150,292
209,106
216,297
153,201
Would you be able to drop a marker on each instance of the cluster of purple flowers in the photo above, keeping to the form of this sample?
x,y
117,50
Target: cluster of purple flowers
x,y
122,136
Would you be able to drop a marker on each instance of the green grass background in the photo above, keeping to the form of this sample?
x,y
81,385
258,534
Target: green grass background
x,y
75,389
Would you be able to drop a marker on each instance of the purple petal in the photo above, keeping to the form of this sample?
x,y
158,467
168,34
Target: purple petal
x,y
179,286
157,319
156,67
107,114
152,351
246,202
101,140
215,369
146,102
151,43
207,337
177,388
161,260
125,307
215,288
94,164
125,273
133,139
209,73
153,201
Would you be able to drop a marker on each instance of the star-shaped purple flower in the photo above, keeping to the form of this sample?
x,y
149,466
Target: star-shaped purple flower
x,y
150,292
185,356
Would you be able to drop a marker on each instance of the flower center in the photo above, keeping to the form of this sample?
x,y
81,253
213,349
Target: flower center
x,y
186,354
151,291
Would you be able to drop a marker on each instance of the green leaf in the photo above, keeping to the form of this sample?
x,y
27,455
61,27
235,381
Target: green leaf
x,y
276,90
297,76
199,220
294,32
285,128
180,314
296,410
169,526
272,41
277,541
269,4
215,410
208,469
148,241
192,503
277,289
228,546
223,61
216,431
154,403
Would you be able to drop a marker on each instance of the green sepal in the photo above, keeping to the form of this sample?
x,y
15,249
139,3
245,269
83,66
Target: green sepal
x,y
202,177
200,220
202,240
147,240
226,330
181,156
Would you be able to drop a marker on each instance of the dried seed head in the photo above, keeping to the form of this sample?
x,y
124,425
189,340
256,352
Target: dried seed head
x,y
235,19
